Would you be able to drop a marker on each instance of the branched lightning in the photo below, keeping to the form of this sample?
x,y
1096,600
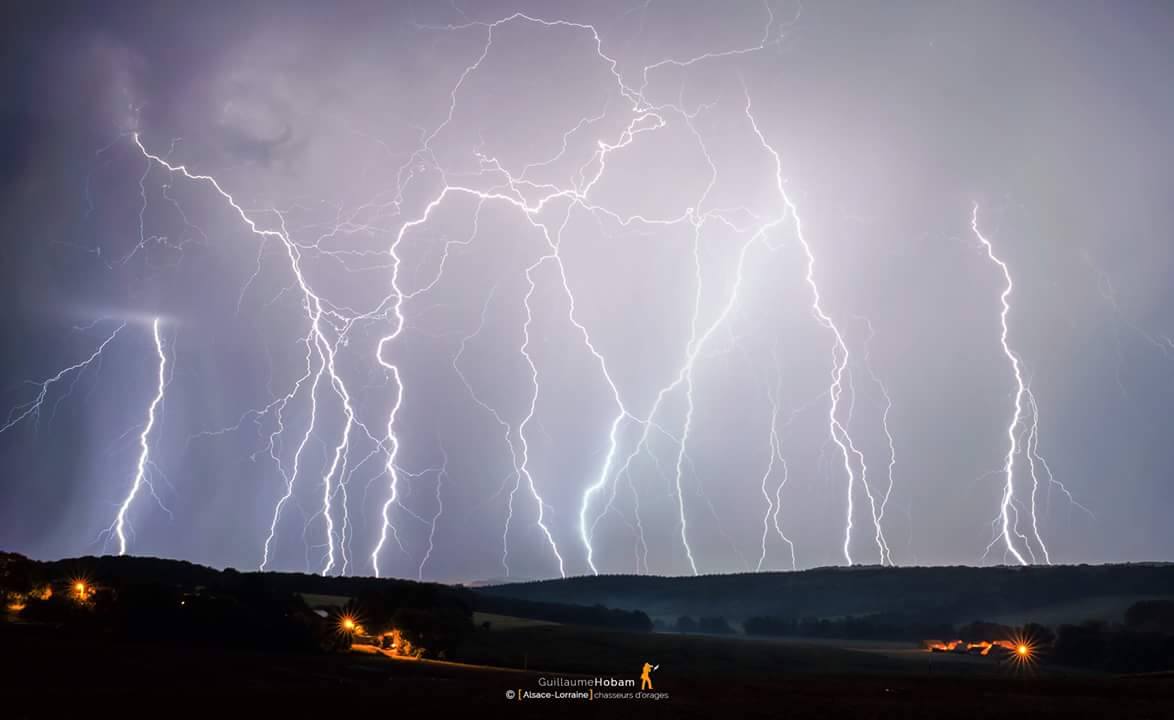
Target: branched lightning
x,y
120,525
1005,506
317,431
318,312
1024,421
887,556
1105,288
441,474
774,504
836,429
33,408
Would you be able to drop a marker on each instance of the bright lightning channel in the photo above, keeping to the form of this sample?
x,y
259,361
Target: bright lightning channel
x,y
837,430
316,310
329,325
140,476
1006,505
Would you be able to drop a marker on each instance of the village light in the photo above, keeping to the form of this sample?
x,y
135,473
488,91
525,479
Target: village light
x,y
81,589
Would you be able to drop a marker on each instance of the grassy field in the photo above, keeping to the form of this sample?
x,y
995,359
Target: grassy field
x,y
507,622
315,600
49,673
1109,608
584,650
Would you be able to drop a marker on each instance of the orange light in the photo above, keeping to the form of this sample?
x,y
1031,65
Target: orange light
x,y
80,587
348,624
1022,649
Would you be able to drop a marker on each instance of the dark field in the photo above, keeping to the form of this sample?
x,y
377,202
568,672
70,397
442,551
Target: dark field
x,y
49,673
159,638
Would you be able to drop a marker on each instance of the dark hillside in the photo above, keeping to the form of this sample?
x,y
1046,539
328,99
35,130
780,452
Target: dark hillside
x,y
937,594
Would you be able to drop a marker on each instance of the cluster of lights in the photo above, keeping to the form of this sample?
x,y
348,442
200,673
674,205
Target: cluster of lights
x,y
81,590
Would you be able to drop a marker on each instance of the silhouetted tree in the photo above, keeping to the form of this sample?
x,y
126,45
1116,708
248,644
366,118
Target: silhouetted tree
x,y
716,625
1151,616
769,626
1082,645
980,630
439,630
1039,635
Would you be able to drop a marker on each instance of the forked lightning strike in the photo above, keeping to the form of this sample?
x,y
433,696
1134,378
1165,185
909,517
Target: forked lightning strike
x,y
544,210
33,408
1021,422
837,430
141,478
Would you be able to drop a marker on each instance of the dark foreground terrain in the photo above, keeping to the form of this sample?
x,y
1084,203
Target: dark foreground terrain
x,y
132,637
47,673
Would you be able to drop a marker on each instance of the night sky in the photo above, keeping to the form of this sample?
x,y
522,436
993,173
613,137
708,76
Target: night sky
x,y
517,229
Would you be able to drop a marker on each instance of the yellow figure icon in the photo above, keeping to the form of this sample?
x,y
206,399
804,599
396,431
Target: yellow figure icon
x,y
646,676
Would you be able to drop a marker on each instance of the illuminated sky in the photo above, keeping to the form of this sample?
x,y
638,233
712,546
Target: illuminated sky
x,y
516,230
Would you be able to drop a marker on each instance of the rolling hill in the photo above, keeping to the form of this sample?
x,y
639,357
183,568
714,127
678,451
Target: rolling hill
x,y
938,594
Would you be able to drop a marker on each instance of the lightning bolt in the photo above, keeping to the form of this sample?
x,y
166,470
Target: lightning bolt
x,y
441,474
1162,343
645,119
1023,421
1020,390
33,408
317,312
774,506
291,477
836,429
508,429
523,469
547,209
887,555
140,477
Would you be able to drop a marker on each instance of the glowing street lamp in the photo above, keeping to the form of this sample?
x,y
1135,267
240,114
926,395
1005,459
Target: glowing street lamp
x,y
1023,653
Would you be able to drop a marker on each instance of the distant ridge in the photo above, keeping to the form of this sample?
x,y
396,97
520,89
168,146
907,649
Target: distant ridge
x,y
946,594
952,594
498,581
122,571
